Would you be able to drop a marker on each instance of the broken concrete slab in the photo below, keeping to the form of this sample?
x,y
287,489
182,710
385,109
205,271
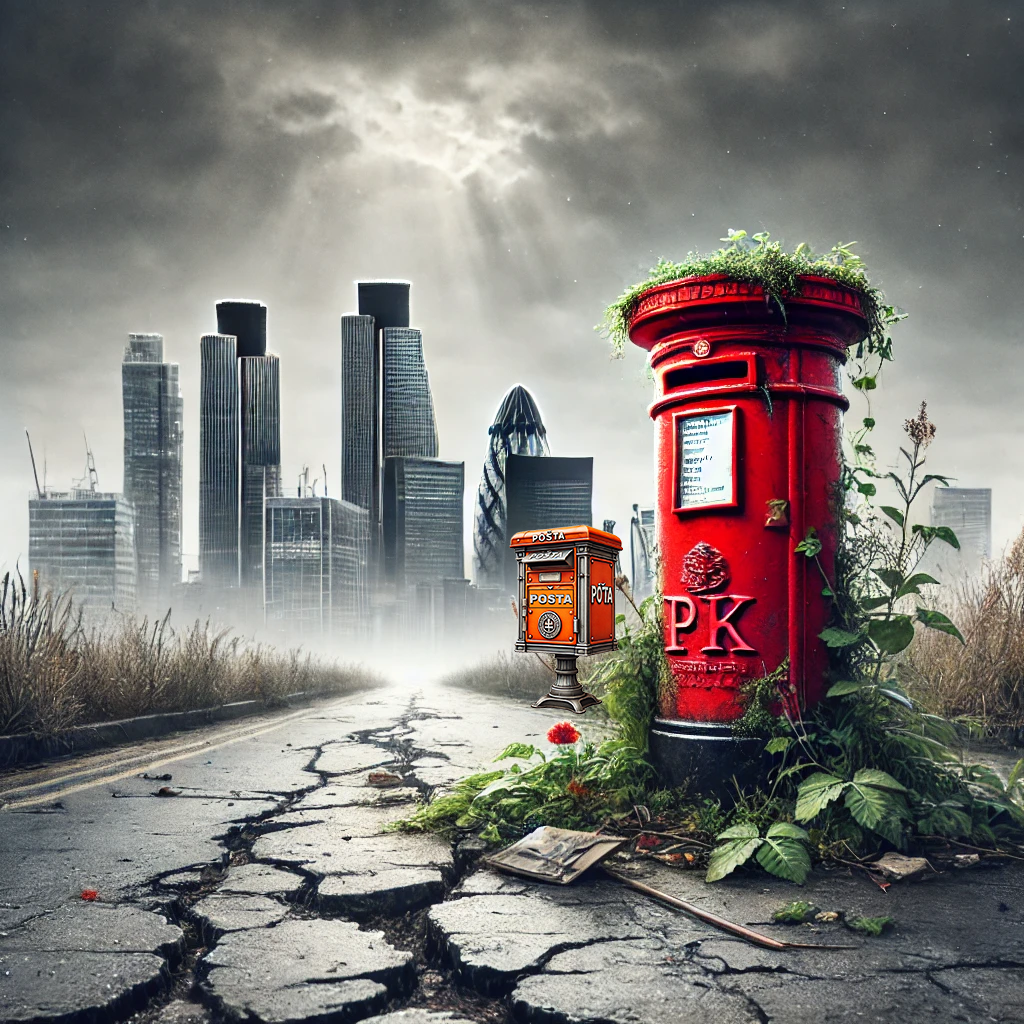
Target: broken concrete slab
x,y
44,986
355,795
417,1016
491,940
310,837
639,982
218,914
305,971
84,959
349,758
261,880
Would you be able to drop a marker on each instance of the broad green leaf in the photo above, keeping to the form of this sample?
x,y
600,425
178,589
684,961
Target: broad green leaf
x,y
730,855
868,490
839,637
745,830
869,805
879,779
778,745
929,477
892,635
521,750
943,533
786,858
900,698
893,513
869,422
917,580
869,604
845,686
1016,776
815,793
936,620
892,578
787,830
865,383
810,545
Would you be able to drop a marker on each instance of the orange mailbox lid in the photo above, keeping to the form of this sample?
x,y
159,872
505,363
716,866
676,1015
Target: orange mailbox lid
x,y
566,535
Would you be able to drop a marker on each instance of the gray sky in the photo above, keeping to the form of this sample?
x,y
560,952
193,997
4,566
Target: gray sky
x,y
521,163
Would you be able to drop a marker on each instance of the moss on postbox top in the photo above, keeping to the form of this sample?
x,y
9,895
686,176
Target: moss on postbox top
x,y
757,260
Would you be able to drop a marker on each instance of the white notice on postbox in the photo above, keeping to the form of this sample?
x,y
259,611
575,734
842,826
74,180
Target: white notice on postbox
x,y
706,460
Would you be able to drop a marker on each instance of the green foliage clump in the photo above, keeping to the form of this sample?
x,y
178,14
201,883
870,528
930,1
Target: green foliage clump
x,y
579,785
628,682
757,260
796,912
874,926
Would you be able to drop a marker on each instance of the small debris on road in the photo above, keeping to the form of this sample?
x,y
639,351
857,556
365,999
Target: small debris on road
x,y
966,860
166,777
384,780
167,791
898,868
90,895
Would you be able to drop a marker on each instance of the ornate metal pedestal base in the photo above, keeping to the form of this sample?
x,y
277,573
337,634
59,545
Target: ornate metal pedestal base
x,y
566,692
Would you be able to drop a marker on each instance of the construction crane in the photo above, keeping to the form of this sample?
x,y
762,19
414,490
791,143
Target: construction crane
x,y
90,468
32,456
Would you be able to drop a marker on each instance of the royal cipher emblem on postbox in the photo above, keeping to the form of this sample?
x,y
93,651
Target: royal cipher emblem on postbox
x,y
705,625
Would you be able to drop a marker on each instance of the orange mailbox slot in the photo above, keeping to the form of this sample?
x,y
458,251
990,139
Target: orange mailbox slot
x,y
566,603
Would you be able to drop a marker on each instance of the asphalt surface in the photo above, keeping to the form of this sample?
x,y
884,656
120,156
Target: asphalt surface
x,y
257,883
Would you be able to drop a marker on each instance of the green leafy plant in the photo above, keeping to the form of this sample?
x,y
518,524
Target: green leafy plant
x,y
796,912
873,926
781,851
580,784
758,260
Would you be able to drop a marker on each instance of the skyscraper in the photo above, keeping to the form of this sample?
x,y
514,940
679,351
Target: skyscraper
x,y
517,430
360,430
152,465
387,409
642,552
545,494
967,511
220,429
240,445
315,565
84,542
422,521
409,427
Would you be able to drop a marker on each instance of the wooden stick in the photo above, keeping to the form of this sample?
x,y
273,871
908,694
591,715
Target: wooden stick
x,y
713,919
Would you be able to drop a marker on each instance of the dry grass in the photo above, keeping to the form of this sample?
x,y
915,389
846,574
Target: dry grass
x,y
54,674
517,675
984,678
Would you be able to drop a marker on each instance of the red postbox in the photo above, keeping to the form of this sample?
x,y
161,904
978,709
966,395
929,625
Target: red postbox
x,y
748,458
566,603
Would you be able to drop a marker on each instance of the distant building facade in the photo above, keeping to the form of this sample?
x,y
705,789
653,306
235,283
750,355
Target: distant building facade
x,y
83,542
315,566
517,430
544,494
967,511
360,429
409,427
152,465
422,521
643,556
240,446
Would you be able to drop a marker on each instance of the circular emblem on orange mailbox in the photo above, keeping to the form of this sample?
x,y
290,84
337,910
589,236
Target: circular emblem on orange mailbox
x,y
702,347
549,625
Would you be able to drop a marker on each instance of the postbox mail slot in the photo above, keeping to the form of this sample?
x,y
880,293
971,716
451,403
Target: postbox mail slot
x,y
549,577
724,371
549,556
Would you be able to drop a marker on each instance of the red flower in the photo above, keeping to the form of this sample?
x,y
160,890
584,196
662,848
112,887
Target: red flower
x,y
577,789
90,895
563,733
647,842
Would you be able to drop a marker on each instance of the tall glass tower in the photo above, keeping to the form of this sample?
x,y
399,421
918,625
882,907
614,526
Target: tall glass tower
x,y
152,465
409,427
240,445
517,430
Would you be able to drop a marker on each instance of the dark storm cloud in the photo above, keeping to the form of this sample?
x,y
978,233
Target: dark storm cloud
x,y
524,161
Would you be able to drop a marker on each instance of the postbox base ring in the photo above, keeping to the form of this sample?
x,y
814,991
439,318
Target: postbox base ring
x,y
575,704
705,757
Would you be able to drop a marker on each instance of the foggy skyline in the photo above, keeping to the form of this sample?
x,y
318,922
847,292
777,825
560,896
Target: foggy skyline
x,y
520,164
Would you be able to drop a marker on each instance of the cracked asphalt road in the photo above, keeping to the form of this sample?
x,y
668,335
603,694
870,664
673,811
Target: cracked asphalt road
x,y
267,890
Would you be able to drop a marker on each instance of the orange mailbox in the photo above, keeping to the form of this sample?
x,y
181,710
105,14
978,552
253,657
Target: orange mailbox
x,y
566,603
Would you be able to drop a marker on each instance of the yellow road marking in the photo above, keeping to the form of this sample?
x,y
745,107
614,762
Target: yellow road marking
x,y
179,753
